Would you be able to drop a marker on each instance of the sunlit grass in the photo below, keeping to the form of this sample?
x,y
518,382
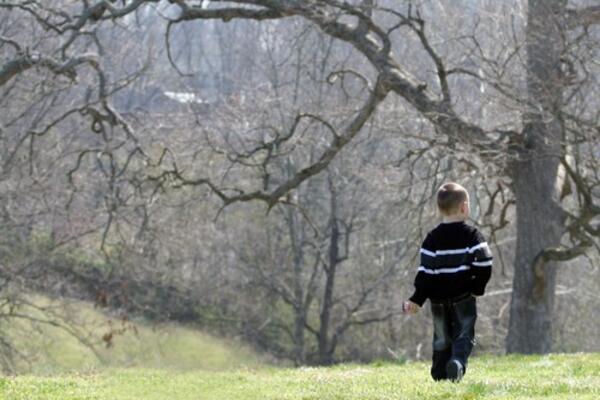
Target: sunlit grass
x,y
574,376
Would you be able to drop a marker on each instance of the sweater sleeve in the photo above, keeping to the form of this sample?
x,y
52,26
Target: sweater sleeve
x,y
481,264
423,280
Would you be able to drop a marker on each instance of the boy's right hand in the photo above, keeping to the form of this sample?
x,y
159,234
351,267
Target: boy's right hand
x,y
408,307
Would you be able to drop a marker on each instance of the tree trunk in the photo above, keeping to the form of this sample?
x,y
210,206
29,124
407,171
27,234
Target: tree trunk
x,y
326,348
300,311
534,173
539,225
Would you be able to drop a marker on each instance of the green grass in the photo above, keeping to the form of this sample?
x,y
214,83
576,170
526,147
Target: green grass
x,y
573,376
49,349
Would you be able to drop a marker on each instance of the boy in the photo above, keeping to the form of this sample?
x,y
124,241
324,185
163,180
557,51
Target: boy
x,y
456,264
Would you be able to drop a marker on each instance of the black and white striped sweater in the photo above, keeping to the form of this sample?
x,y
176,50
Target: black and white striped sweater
x,y
455,259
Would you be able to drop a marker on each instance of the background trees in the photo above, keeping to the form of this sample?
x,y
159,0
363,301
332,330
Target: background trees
x,y
129,125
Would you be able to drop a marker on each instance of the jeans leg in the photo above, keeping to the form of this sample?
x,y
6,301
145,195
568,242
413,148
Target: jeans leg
x,y
442,346
464,315
438,365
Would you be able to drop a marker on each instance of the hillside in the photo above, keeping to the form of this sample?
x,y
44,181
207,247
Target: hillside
x,y
568,377
80,337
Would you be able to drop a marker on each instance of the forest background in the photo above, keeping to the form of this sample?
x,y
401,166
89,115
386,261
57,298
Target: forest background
x,y
264,170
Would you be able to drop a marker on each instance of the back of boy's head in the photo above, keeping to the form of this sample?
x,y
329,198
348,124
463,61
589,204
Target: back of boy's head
x,y
450,196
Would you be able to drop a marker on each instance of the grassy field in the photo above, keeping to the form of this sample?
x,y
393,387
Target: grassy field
x,y
172,362
575,376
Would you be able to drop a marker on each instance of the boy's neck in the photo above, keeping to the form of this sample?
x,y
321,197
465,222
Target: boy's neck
x,y
448,219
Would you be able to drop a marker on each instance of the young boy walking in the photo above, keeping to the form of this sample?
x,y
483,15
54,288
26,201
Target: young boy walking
x,y
456,265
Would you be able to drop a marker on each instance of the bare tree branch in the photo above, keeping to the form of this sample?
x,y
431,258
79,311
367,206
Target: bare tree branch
x,y
582,18
26,61
271,198
225,14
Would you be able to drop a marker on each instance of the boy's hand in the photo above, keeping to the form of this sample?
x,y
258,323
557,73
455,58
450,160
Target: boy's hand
x,y
408,307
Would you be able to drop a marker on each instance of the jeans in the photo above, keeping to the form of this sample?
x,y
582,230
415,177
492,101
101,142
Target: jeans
x,y
453,332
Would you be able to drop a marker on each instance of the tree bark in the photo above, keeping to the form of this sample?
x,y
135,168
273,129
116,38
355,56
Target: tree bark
x,y
326,348
540,221
300,311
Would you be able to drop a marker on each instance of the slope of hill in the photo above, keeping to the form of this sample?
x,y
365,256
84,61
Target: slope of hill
x,y
62,336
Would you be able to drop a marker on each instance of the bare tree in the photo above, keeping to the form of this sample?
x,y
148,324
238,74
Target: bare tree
x,y
533,152
542,146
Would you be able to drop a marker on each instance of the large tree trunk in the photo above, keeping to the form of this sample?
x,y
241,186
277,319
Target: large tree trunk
x,y
534,173
539,226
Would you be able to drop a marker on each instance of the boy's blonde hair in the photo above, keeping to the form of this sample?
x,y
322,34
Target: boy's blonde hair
x,y
450,196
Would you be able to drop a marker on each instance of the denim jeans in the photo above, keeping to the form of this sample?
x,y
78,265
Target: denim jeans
x,y
453,332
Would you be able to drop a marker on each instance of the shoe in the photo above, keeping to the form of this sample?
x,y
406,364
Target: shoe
x,y
454,370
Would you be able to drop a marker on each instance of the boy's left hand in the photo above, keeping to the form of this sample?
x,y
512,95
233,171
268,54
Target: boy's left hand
x,y
408,307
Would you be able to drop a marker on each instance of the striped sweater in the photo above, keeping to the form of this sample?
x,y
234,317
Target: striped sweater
x,y
455,259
